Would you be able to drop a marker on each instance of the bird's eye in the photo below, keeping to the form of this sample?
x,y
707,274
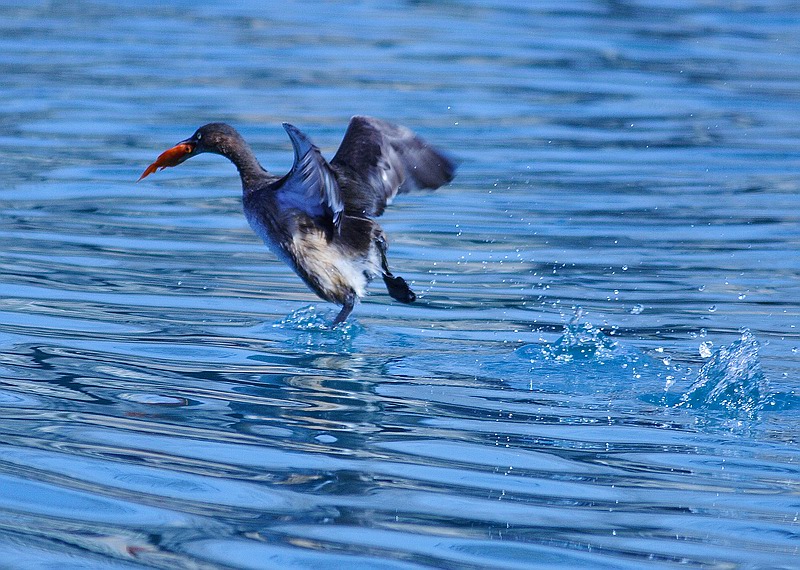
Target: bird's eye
x,y
198,136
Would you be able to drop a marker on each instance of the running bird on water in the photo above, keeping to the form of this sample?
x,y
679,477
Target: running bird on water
x,y
318,217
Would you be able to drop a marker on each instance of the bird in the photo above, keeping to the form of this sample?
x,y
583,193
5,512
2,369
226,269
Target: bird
x,y
319,217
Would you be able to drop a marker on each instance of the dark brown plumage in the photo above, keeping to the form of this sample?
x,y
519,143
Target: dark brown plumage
x,y
318,217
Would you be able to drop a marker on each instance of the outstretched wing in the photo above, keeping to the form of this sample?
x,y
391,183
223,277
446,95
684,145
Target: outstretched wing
x,y
310,186
377,160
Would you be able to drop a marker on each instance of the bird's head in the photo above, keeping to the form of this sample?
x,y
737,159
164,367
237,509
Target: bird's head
x,y
213,137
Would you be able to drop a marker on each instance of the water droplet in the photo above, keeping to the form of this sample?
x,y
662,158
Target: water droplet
x,y
701,288
637,309
705,349
712,309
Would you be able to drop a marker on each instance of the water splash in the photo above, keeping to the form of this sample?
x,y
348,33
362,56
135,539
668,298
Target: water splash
x,y
584,357
582,341
732,380
308,319
315,330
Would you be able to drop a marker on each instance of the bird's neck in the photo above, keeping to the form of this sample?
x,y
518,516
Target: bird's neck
x,y
250,171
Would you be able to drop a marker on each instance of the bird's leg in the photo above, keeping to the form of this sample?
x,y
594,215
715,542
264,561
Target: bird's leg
x,y
380,242
397,286
347,308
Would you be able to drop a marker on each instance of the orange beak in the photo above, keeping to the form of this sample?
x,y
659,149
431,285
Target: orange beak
x,y
170,157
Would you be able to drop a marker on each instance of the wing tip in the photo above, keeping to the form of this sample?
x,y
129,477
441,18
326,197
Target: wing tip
x,y
449,164
301,143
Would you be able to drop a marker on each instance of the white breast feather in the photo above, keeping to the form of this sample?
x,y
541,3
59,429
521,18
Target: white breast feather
x,y
331,266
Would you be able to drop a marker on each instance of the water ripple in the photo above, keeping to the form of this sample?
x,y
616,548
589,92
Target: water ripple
x,y
572,387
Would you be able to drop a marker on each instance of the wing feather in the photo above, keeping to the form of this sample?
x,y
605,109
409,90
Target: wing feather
x,y
311,185
378,159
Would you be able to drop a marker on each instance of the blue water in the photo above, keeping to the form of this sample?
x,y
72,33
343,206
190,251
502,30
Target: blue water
x,y
601,370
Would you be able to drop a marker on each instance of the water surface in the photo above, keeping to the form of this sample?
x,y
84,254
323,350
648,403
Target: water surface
x,y
602,366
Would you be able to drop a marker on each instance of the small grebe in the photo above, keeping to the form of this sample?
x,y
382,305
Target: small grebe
x,y
317,218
